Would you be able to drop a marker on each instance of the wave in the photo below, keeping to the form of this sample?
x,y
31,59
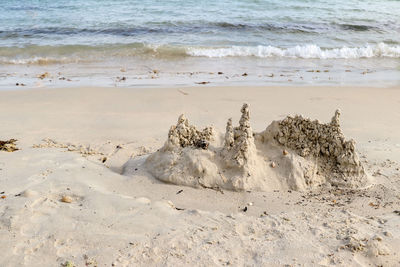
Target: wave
x,y
196,26
358,27
45,55
39,60
306,51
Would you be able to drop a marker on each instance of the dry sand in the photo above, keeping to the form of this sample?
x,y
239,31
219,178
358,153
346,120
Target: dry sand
x,y
66,203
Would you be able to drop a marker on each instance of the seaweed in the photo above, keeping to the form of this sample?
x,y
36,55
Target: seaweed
x,y
8,145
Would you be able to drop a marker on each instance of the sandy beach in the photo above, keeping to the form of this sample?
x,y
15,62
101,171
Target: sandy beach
x,y
68,200
199,133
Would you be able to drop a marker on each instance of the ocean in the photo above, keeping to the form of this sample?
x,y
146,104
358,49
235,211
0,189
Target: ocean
x,y
187,42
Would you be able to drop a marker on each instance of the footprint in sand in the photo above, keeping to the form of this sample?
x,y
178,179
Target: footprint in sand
x,y
40,210
29,229
61,247
28,247
272,222
67,247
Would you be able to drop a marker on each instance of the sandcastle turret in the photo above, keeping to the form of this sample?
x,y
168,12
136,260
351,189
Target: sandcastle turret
x,y
244,122
239,140
335,119
229,135
183,135
349,162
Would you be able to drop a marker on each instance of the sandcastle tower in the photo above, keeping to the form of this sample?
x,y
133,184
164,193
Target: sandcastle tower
x,y
335,119
337,158
239,141
183,135
229,135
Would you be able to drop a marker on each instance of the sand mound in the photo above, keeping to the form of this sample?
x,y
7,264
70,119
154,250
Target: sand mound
x,y
295,153
323,144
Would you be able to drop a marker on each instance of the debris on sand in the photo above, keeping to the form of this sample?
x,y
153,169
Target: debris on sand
x,y
44,75
82,149
8,145
68,264
120,79
182,92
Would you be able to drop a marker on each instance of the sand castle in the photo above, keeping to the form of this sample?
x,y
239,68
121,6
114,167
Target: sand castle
x,y
294,153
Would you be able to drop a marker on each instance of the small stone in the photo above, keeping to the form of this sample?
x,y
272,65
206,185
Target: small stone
x,y
66,199
387,233
273,164
284,152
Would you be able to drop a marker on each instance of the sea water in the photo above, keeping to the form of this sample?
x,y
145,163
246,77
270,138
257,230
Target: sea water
x,y
151,42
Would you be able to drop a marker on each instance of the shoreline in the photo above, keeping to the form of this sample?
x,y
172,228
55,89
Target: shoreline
x,y
148,72
11,88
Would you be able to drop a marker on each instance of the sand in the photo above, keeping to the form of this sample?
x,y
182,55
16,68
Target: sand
x,y
292,154
66,201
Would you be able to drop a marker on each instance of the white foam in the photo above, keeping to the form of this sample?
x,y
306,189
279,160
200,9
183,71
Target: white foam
x,y
37,60
306,51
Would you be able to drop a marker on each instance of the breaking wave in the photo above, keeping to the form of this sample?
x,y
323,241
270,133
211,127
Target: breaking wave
x,y
46,55
38,60
306,51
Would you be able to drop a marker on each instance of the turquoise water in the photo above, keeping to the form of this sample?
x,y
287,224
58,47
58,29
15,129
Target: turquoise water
x,y
45,32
